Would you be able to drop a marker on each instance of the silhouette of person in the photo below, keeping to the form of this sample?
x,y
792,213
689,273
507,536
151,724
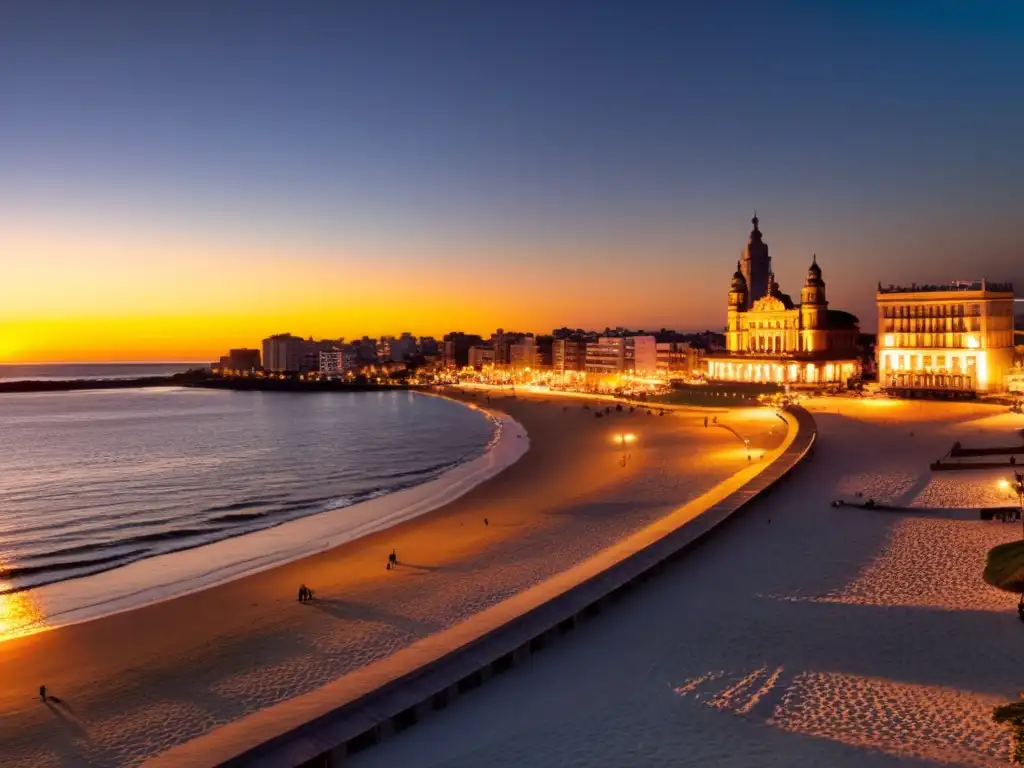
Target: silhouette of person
x,y
42,693
486,521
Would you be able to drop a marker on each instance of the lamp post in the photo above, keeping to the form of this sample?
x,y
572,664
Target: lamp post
x,y
624,440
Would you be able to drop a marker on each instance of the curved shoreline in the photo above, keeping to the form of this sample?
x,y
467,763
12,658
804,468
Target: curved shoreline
x,y
145,680
182,572
357,711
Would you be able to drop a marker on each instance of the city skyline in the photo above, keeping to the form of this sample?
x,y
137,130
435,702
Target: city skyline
x,y
187,180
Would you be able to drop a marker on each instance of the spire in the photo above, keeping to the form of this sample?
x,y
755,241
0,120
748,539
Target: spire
x,y
814,259
755,221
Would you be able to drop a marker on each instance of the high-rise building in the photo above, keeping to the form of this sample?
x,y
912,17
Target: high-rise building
x,y
677,358
524,353
480,355
428,345
607,355
641,355
502,342
284,353
338,361
240,361
568,355
952,339
456,348
619,354
403,347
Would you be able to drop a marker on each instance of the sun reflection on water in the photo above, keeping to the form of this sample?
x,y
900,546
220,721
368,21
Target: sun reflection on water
x,y
20,614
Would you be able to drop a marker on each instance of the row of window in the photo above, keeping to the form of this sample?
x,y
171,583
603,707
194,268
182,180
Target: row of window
x,y
766,324
933,325
928,362
932,310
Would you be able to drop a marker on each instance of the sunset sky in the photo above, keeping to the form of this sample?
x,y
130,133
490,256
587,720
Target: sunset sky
x,y
178,178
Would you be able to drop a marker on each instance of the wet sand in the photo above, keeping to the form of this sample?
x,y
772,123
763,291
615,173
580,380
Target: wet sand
x,y
134,684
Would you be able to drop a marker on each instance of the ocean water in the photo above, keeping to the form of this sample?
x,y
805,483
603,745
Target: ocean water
x,y
91,371
90,481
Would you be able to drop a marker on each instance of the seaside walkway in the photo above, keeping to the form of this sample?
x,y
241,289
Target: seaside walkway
x,y
355,712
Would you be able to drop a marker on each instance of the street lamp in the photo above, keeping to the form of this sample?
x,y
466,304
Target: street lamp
x,y
624,440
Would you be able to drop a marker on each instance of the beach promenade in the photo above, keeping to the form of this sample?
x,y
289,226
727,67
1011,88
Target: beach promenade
x,y
137,683
801,635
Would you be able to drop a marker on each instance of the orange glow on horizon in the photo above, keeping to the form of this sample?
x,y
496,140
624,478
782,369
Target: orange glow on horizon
x,y
76,293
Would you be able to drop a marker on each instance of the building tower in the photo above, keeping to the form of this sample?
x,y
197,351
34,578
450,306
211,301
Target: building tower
x,y
756,265
813,310
737,306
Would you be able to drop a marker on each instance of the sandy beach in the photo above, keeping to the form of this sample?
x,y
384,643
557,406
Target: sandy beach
x,y
136,683
839,637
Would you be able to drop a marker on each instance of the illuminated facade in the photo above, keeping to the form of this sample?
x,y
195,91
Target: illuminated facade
x,y
771,339
618,354
953,339
568,355
338,361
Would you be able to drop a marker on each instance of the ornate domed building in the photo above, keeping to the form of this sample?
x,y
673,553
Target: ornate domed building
x,y
769,338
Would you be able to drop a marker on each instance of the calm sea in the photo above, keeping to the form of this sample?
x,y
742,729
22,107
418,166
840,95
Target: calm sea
x,y
90,481
91,371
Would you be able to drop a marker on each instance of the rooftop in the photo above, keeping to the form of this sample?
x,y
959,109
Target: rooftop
x,y
956,285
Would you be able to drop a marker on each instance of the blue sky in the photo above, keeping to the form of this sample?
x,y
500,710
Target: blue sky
x,y
519,140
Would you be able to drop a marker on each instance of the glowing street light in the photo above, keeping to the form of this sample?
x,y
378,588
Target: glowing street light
x,y
624,440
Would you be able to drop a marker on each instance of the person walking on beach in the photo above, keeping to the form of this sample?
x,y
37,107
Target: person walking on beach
x,y
393,559
705,422
42,693
486,521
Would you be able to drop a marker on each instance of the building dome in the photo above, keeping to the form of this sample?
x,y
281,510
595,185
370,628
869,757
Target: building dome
x,y
739,282
814,274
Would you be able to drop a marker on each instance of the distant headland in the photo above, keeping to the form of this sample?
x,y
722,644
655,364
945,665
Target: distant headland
x,y
203,379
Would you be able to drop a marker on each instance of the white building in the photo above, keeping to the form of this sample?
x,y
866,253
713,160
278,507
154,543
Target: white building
x,y
677,358
644,354
618,354
480,356
523,354
283,353
945,339
338,361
